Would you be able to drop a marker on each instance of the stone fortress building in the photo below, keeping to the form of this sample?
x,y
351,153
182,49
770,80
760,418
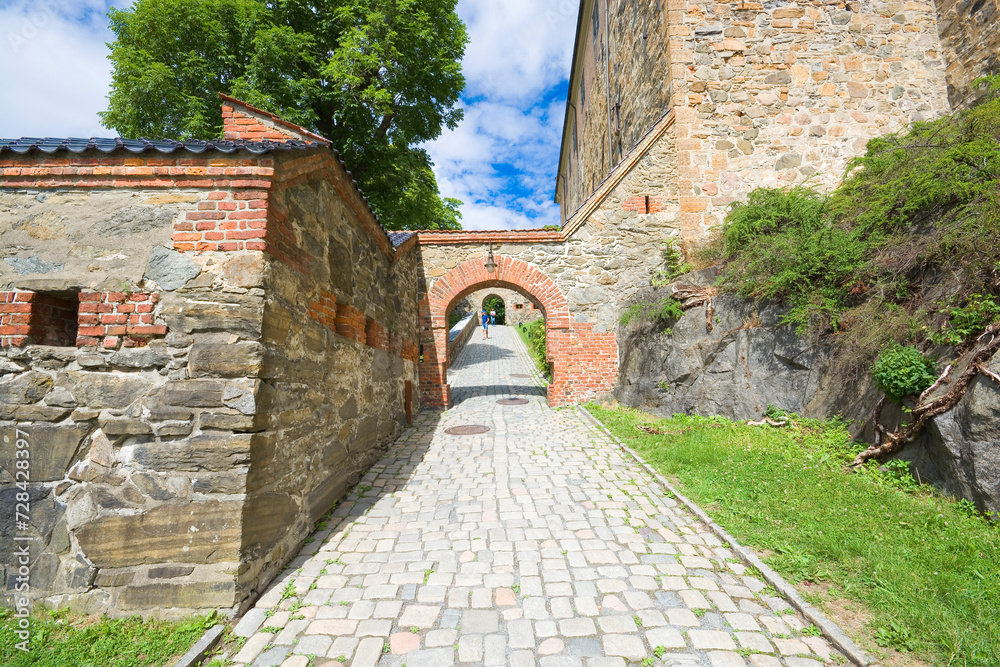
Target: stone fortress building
x,y
204,344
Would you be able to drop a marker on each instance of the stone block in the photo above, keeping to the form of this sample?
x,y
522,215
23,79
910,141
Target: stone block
x,y
25,389
243,319
105,390
207,452
52,447
141,357
234,360
194,393
170,269
197,595
269,517
194,532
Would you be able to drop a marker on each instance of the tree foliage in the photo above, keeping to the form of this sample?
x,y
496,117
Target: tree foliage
x,y
377,77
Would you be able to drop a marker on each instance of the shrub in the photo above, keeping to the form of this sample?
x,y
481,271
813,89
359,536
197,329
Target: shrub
x,y
673,263
902,371
968,320
536,344
663,311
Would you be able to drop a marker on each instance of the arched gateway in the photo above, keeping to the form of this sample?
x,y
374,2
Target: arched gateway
x,y
584,363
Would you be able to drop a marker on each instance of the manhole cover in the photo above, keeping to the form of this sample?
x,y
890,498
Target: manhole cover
x,y
520,375
513,401
471,429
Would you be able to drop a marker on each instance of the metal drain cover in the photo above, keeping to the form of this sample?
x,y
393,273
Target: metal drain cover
x,y
513,401
471,429
520,375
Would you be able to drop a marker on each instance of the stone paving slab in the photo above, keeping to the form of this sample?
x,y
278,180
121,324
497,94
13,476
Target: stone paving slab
x,y
537,544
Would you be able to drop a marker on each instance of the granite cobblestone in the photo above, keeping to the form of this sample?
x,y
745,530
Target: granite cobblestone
x,y
537,543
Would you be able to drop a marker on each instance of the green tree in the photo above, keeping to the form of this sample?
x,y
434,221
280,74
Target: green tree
x,y
377,77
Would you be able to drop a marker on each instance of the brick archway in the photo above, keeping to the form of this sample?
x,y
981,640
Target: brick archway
x,y
583,362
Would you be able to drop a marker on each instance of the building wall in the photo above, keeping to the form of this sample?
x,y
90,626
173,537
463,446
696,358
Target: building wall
x,y
140,429
227,381
518,308
340,349
768,95
970,39
620,88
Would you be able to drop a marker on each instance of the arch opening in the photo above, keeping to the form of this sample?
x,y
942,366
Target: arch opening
x,y
470,277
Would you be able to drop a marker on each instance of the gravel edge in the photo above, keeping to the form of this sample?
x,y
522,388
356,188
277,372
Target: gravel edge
x,y
830,630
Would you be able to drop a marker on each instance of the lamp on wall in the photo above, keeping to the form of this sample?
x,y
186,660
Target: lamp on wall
x,y
491,265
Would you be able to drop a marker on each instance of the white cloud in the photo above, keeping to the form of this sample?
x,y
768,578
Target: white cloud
x,y
518,49
501,160
56,73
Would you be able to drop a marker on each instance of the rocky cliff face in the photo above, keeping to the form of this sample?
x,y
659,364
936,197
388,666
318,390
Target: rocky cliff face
x,y
749,360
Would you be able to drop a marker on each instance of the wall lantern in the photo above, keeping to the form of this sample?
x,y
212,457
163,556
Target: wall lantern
x,y
491,265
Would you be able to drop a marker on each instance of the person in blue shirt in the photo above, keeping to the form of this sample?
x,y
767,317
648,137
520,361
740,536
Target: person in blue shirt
x,y
486,325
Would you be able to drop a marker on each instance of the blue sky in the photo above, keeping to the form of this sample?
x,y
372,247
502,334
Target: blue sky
x,y
501,160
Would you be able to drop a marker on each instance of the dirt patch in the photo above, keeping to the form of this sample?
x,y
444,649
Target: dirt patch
x,y
854,618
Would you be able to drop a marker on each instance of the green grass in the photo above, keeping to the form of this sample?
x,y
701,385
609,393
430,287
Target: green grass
x,y
925,567
59,639
536,345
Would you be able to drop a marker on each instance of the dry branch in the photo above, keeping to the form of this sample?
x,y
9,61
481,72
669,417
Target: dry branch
x,y
928,409
690,296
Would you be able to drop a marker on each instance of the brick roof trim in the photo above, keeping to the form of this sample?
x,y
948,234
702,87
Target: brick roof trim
x,y
468,236
51,145
277,120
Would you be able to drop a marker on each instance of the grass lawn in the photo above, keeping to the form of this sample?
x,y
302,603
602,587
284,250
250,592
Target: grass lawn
x,y
59,640
924,568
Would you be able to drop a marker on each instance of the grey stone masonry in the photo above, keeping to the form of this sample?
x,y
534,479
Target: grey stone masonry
x,y
537,543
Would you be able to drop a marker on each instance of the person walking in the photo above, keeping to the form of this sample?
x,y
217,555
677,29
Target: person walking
x,y
486,325
493,317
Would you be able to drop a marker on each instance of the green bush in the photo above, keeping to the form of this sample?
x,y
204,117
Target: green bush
x,y
663,311
902,371
535,331
919,209
969,320
673,263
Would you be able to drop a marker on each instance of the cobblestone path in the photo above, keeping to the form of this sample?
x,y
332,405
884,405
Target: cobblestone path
x,y
537,543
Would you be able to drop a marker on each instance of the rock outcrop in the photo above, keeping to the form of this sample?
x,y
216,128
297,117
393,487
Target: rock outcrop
x,y
749,360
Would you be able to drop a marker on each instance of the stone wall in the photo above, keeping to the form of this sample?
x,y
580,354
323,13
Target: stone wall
x,y
774,95
341,352
595,264
771,95
970,39
138,426
619,89
196,376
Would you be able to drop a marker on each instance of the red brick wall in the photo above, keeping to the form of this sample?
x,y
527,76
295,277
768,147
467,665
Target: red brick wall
x,y
376,335
585,363
15,318
350,322
226,221
324,310
111,319
643,204
107,319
